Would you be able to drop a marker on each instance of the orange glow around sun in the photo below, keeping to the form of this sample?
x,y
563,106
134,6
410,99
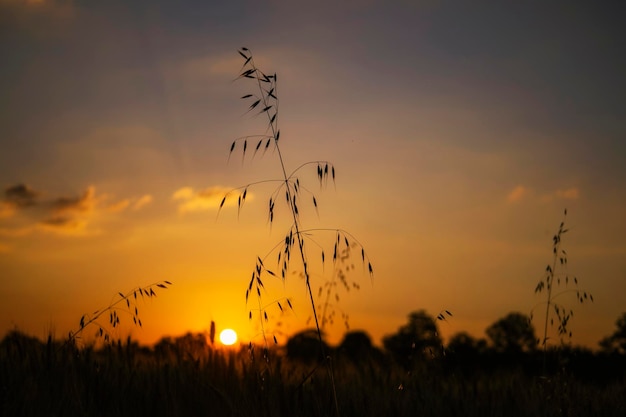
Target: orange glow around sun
x,y
228,337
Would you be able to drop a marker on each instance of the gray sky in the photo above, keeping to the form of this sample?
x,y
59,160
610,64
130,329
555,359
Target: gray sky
x,y
459,130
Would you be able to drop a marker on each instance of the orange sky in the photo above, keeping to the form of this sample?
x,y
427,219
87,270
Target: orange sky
x,y
459,135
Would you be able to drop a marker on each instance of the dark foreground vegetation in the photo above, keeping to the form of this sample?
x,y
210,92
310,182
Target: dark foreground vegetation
x,y
189,377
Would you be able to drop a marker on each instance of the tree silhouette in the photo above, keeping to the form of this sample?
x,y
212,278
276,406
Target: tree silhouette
x,y
357,346
512,334
305,346
464,345
419,338
616,343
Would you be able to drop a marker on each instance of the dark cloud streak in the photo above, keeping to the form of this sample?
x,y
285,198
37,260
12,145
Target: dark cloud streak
x,y
20,195
83,203
23,211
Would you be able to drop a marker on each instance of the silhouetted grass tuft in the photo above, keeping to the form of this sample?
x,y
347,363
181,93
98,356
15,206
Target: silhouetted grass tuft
x,y
188,377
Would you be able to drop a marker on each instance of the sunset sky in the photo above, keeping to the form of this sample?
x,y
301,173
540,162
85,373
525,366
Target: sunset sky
x,y
459,131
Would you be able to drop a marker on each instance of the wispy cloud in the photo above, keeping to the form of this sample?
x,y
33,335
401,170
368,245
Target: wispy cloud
x,y
210,198
119,206
24,211
571,193
522,192
72,215
517,194
83,204
134,204
21,195
65,225
16,198
142,201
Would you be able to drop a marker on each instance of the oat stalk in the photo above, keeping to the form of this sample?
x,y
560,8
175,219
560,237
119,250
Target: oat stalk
x,y
294,194
120,304
556,277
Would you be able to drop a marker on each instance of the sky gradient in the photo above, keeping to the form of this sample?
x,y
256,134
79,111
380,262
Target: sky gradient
x,y
459,130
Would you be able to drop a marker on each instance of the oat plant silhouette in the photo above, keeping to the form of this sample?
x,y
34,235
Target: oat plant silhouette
x,y
264,101
555,285
121,305
329,291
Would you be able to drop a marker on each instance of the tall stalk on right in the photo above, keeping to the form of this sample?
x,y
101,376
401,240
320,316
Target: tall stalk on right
x,y
556,275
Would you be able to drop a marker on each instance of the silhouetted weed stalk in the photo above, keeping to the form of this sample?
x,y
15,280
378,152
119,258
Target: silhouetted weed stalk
x,y
122,304
556,277
329,291
293,193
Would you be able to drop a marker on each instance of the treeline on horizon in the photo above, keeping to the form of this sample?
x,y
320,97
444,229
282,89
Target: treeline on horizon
x,y
509,340
412,374
513,333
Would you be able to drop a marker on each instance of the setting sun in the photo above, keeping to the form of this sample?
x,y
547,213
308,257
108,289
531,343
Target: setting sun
x,y
228,337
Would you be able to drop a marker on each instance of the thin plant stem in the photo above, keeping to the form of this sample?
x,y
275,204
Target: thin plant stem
x,y
296,225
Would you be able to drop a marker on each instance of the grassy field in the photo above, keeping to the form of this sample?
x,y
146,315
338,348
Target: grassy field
x,y
188,377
